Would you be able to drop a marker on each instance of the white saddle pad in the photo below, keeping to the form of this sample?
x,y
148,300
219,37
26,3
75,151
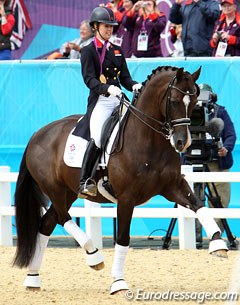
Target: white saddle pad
x,y
76,146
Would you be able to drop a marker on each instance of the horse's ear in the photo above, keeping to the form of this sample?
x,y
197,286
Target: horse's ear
x,y
179,74
196,74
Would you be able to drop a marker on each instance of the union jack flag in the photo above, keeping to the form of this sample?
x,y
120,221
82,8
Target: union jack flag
x,y
22,23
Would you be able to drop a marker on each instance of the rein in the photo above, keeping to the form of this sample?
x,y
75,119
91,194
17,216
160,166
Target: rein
x,y
169,124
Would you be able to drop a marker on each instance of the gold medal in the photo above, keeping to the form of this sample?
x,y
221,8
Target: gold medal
x,y
102,79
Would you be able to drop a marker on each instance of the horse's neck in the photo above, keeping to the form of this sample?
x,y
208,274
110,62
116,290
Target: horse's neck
x,y
140,128
151,101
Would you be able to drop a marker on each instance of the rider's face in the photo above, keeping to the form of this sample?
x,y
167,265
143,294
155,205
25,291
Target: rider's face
x,y
105,31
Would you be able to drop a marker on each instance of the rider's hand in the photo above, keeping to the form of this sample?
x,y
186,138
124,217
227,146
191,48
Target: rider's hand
x,y
115,91
136,87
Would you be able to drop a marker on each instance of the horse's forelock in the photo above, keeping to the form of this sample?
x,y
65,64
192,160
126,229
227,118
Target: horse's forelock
x,y
187,75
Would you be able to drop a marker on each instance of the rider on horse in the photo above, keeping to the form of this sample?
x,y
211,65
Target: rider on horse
x,y
104,68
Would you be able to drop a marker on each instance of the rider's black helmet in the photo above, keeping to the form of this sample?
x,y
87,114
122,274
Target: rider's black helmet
x,y
103,15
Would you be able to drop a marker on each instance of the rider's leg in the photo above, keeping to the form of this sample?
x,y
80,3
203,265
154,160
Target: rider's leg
x,y
103,109
87,184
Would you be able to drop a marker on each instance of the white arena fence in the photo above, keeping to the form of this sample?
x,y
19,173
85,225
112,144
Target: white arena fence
x,y
92,212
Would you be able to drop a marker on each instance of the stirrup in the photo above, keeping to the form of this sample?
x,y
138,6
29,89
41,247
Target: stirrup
x,y
89,187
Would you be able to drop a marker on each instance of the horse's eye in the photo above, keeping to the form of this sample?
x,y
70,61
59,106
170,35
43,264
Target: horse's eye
x,y
174,103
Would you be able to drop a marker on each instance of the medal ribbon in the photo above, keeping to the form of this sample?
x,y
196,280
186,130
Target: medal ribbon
x,y
102,55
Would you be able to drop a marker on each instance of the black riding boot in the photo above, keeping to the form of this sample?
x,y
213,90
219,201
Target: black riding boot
x,y
87,184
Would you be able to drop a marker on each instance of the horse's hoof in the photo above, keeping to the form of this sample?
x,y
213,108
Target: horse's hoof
x,y
220,253
121,293
218,248
95,260
32,282
98,266
33,289
118,286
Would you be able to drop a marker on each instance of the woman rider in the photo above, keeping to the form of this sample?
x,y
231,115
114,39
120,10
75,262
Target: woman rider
x,y
104,68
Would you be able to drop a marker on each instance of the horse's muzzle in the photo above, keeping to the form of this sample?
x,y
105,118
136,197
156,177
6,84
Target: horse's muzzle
x,y
181,139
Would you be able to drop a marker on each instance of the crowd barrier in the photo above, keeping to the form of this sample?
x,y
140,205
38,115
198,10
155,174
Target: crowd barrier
x,y
92,212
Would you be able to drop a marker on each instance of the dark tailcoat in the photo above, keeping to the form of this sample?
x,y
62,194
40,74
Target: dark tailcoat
x,y
115,71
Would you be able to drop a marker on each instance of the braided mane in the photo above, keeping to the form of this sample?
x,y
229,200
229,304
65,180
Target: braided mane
x,y
155,72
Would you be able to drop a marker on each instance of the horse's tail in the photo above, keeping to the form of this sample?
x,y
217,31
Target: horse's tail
x,y
29,201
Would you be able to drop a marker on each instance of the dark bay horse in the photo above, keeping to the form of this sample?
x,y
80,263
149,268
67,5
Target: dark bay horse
x,y
148,164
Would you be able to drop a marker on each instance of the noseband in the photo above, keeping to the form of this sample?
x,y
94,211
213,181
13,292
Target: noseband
x,y
167,127
179,122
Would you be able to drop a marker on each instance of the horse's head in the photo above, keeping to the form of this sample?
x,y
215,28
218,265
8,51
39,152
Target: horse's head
x,y
165,104
181,98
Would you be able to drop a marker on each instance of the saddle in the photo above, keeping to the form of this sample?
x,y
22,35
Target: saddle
x,y
107,130
111,142
108,127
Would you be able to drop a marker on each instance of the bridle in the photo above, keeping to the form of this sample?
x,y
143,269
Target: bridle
x,y
167,127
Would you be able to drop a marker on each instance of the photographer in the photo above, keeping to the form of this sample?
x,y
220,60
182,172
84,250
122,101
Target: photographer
x,y
226,38
147,24
218,147
7,23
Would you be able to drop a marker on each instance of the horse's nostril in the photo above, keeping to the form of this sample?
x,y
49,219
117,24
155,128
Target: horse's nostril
x,y
180,145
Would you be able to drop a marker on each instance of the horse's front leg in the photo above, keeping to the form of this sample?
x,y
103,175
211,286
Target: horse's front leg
x,y
217,246
186,198
124,217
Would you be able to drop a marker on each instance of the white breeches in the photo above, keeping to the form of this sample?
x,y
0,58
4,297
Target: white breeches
x,y
103,109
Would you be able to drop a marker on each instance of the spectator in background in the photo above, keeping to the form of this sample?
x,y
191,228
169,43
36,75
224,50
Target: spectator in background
x,y
72,49
198,18
7,21
176,39
226,38
147,24
123,36
117,7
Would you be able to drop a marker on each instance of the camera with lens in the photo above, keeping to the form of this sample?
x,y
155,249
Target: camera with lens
x,y
219,33
144,4
219,36
205,132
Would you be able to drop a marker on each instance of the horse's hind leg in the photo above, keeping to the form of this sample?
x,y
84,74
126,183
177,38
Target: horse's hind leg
x,y
48,223
94,258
